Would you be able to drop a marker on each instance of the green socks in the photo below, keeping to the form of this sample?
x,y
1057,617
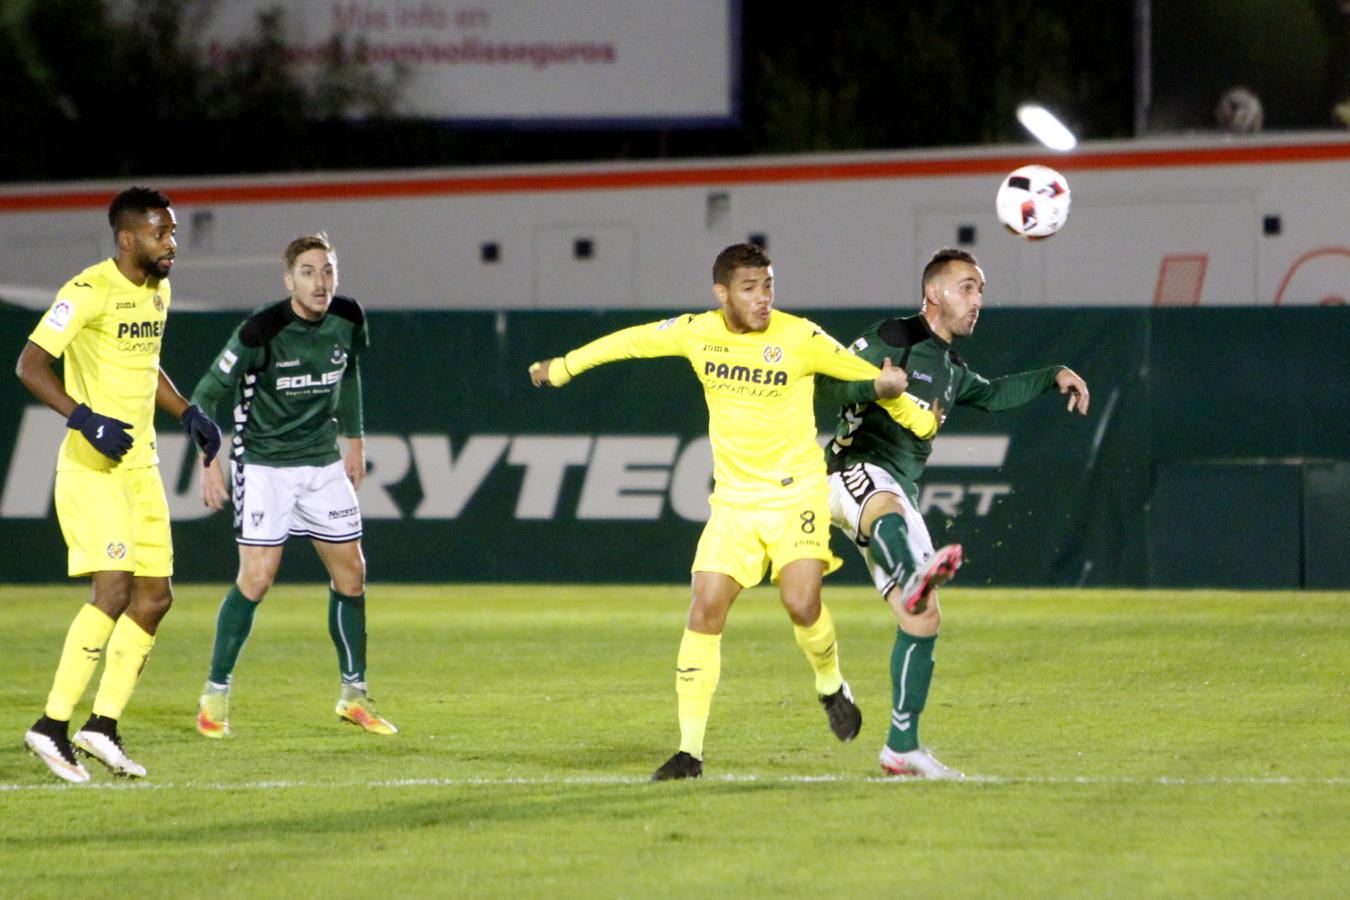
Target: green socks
x,y
233,623
911,674
890,546
347,627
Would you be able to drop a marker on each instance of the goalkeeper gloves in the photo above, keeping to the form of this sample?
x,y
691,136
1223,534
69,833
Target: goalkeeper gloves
x,y
203,431
109,436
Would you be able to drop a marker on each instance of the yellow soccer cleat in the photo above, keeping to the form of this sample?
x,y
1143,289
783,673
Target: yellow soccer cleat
x,y
213,712
356,707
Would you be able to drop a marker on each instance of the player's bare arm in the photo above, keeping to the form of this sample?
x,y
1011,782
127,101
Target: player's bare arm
x,y
214,492
109,436
167,397
892,382
1071,383
35,371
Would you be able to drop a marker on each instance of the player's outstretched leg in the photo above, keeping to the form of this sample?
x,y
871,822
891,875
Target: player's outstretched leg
x,y
681,765
356,707
934,573
98,738
49,741
213,711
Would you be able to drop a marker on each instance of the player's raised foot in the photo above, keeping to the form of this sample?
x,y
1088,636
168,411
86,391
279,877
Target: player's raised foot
x,y
917,764
213,711
845,717
681,765
99,740
47,741
355,706
941,566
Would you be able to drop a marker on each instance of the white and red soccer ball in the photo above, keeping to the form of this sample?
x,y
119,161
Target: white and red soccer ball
x,y
1033,201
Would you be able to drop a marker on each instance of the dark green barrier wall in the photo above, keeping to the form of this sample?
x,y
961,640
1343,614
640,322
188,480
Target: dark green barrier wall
x,y
1214,435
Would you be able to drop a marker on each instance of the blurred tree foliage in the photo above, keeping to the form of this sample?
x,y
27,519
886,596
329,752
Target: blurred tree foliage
x,y
85,94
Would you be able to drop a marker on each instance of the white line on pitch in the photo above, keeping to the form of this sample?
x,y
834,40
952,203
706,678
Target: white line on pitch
x,y
1166,780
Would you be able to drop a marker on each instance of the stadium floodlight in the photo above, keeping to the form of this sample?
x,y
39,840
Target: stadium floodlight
x,y
1045,128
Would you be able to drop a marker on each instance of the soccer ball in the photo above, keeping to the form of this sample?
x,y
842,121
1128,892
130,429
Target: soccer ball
x,y
1033,201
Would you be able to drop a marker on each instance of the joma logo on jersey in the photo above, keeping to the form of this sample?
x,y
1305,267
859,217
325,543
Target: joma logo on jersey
x,y
140,329
290,382
745,373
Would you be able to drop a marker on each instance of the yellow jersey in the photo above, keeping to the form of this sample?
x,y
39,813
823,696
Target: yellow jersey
x,y
109,331
759,387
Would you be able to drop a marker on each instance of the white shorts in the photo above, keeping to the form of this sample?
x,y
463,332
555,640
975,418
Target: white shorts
x,y
849,492
273,502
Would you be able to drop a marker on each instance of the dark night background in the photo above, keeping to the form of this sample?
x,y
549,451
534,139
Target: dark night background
x,y
846,76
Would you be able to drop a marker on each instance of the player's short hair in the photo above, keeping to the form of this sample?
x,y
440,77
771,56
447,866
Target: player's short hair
x,y
132,204
303,244
938,263
738,256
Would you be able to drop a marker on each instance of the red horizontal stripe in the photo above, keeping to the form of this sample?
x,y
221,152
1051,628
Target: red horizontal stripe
x,y
677,176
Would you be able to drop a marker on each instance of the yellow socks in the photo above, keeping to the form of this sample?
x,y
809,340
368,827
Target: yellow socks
x,y
822,651
697,670
79,658
127,650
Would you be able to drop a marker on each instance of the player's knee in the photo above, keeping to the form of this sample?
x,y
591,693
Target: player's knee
x,y
924,624
112,598
254,585
803,608
351,584
149,605
707,616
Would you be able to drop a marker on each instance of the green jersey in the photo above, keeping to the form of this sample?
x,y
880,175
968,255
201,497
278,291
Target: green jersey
x,y
938,380
294,384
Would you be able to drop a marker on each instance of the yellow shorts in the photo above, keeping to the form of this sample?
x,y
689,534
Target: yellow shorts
x,y
116,521
742,541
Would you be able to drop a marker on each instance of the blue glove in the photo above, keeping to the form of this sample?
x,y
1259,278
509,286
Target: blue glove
x,y
203,431
109,436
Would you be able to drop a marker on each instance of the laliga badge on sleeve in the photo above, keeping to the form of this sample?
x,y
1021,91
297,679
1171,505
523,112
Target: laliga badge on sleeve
x,y
59,315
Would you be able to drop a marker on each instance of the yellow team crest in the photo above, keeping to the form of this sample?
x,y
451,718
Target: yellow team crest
x,y
159,303
773,354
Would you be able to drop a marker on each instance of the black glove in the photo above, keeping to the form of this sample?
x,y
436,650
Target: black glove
x,y
109,436
201,429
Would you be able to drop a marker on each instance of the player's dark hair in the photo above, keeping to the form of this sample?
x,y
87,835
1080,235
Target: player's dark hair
x,y
132,204
738,256
303,244
939,262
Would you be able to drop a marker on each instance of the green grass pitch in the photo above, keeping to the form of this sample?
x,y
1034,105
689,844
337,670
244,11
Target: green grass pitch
x,y
1122,743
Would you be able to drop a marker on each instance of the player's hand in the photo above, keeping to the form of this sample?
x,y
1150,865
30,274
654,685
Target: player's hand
x,y
214,492
109,436
354,461
1070,383
204,432
892,382
550,372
